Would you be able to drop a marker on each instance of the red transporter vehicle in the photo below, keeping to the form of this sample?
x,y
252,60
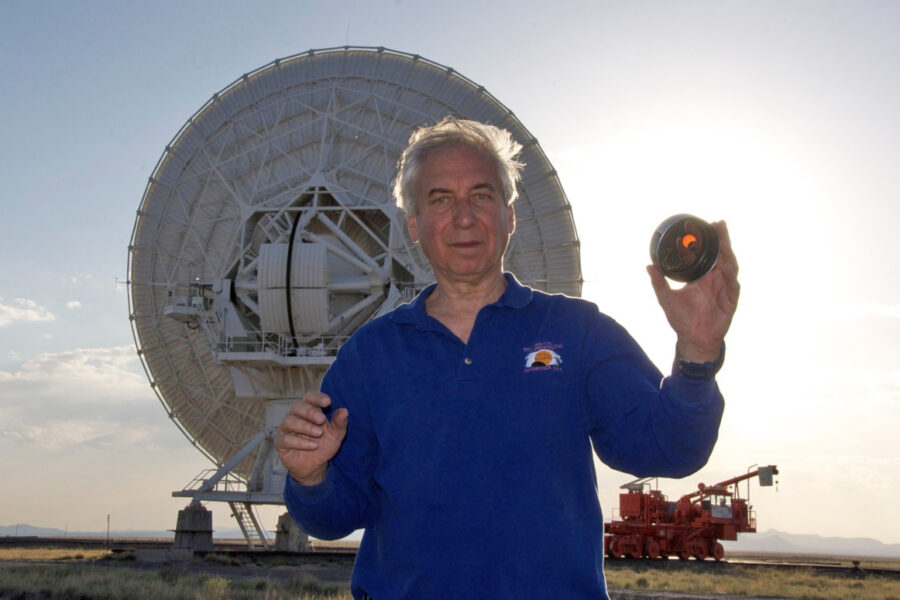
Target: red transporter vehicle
x,y
653,527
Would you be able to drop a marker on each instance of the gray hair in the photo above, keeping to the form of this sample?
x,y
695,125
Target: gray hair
x,y
497,143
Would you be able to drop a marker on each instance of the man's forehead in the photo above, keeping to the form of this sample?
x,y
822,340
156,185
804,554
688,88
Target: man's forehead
x,y
456,159
478,185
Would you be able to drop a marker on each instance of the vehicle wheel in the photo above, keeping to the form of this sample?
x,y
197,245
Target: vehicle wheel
x,y
700,551
653,549
613,550
718,551
683,555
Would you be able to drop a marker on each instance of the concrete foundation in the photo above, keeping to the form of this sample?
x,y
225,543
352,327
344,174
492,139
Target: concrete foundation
x,y
289,537
194,529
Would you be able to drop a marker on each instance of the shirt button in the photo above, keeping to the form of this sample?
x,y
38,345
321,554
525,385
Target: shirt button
x,y
467,360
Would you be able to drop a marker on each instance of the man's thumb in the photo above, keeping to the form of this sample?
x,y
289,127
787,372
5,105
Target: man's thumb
x,y
339,420
658,281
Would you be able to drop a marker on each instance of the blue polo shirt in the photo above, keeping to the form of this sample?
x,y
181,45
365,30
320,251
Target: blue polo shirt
x,y
469,465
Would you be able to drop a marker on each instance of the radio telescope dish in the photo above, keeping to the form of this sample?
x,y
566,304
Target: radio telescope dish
x,y
267,234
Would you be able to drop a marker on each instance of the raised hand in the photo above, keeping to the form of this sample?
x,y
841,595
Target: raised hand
x,y
701,311
306,440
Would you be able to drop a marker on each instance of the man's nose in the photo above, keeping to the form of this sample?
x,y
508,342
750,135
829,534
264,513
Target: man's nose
x,y
462,212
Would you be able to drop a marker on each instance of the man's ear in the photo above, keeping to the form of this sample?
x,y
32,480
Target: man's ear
x,y
511,215
413,228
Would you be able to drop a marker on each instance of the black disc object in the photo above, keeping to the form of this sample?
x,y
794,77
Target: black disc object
x,y
684,247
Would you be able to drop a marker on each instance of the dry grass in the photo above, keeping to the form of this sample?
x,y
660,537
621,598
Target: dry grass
x,y
87,573
78,581
50,573
51,554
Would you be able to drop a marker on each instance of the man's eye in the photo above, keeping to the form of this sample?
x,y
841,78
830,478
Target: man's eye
x,y
441,203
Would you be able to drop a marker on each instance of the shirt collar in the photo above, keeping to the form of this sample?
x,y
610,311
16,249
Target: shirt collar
x,y
516,295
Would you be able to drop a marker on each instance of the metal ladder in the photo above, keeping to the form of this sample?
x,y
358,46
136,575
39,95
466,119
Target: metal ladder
x,y
249,524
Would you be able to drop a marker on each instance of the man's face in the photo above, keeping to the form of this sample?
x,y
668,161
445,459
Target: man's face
x,y
462,221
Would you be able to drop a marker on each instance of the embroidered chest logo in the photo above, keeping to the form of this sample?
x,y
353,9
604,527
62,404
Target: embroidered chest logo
x,y
543,357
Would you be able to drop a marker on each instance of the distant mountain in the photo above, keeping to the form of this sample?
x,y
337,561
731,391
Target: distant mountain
x,y
23,530
792,543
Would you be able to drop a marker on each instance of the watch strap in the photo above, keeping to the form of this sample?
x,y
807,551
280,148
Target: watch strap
x,y
701,371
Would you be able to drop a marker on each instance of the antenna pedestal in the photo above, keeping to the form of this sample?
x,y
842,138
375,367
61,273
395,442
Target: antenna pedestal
x,y
194,528
289,537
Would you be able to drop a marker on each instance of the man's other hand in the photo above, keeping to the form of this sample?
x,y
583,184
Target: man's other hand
x,y
306,440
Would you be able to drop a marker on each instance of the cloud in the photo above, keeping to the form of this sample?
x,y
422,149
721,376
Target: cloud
x,y
88,396
73,304
98,433
77,278
110,366
22,309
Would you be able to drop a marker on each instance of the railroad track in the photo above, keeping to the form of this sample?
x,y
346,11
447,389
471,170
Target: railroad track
x,y
849,567
853,569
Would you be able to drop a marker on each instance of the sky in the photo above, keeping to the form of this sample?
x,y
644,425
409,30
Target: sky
x,y
779,117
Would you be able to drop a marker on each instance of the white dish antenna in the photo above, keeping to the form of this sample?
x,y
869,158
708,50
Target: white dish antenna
x,y
267,234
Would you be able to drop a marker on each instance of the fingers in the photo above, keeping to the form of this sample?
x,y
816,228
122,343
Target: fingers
x,y
306,440
311,407
726,254
659,283
306,423
286,440
728,265
306,416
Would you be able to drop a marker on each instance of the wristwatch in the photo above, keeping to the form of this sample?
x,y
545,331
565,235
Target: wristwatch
x,y
701,371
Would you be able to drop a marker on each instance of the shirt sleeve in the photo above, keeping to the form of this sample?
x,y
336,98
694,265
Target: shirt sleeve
x,y
344,501
640,422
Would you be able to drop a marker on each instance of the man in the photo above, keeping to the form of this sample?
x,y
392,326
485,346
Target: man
x,y
461,424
